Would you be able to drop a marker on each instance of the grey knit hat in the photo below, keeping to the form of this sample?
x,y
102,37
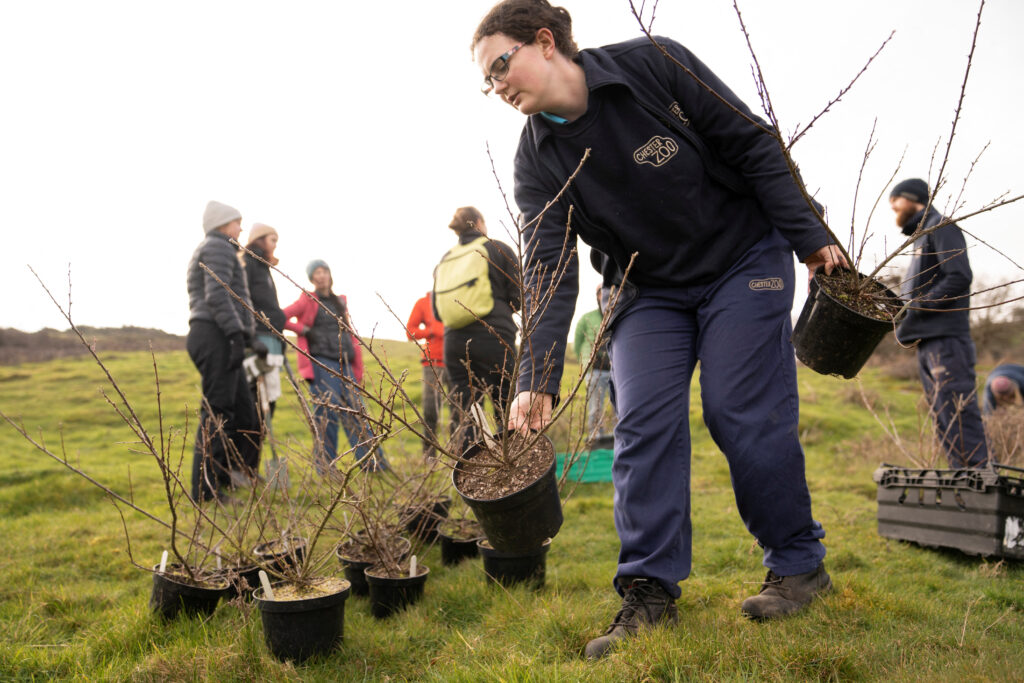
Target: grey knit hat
x,y
313,265
218,214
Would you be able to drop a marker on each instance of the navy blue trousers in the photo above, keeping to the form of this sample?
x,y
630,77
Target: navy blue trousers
x,y
738,328
947,374
338,401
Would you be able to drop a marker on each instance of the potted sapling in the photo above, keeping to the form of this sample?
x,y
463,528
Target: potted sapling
x,y
458,535
301,600
184,580
508,481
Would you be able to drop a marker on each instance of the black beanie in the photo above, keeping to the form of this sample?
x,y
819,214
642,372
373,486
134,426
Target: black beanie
x,y
914,189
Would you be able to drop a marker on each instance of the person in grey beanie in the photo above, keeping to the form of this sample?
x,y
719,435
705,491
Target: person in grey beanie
x,y
227,442
938,286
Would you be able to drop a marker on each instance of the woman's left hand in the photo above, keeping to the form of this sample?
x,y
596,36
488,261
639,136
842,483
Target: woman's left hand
x,y
530,410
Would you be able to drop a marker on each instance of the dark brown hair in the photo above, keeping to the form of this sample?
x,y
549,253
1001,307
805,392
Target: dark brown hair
x,y
465,218
521,19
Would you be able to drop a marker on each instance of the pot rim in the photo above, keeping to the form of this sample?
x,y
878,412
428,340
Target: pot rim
x,y
888,323
476,448
302,604
219,584
424,571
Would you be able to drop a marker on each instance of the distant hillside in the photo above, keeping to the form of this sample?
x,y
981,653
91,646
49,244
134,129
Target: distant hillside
x,y
46,344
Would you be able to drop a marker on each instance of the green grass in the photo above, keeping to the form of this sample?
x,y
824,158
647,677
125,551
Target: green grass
x,y
72,606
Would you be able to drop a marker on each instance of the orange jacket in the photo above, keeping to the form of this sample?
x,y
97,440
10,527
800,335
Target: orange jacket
x,y
304,311
423,325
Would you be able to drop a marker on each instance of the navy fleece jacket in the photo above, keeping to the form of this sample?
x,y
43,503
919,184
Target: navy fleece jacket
x,y
938,281
647,188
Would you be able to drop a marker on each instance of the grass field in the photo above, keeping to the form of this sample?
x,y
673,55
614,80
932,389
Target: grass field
x,y
72,606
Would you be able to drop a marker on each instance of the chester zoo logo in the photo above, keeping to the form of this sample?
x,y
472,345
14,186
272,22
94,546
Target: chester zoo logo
x,y
773,284
656,151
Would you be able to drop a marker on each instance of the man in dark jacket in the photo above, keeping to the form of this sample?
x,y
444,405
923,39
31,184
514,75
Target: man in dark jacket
x,y
938,285
220,328
480,337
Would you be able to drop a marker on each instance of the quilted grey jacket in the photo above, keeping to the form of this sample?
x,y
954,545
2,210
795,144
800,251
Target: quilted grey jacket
x,y
207,298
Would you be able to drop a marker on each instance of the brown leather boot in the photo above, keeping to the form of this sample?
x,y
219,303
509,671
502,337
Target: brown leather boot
x,y
784,595
644,602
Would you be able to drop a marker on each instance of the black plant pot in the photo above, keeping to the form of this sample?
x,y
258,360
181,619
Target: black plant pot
x,y
296,630
174,594
509,569
390,595
455,550
354,567
278,556
423,519
521,521
834,339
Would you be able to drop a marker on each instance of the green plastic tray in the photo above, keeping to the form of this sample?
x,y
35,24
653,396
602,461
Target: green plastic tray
x,y
596,467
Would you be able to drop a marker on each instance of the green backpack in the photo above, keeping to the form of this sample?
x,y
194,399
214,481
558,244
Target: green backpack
x,y
462,281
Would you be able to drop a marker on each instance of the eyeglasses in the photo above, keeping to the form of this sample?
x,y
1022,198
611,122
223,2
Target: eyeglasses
x,y
498,70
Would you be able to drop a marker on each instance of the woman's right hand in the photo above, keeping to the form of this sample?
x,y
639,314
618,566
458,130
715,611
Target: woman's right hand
x,y
530,410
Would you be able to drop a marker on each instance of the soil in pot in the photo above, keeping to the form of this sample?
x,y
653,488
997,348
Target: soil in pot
x,y
509,569
305,620
358,554
839,326
513,493
175,593
392,591
423,519
458,539
280,555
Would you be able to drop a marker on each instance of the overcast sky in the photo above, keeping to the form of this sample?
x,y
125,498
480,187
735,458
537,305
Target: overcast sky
x,y
357,128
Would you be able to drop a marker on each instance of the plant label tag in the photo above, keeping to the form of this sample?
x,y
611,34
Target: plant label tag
x,y
1013,535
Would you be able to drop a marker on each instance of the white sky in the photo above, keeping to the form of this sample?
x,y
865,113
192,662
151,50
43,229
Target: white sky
x,y
357,128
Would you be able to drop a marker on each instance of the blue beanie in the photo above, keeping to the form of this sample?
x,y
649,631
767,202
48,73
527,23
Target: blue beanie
x,y
914,189
313,265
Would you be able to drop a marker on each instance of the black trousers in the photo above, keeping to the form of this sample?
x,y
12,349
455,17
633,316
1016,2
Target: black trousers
x,y
228,436
478,365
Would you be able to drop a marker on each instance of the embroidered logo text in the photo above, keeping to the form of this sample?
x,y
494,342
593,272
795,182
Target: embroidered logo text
x,y
773,284
656,151
677,111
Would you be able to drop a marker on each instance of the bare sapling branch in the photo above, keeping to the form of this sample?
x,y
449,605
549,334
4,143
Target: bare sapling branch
x,y
957,213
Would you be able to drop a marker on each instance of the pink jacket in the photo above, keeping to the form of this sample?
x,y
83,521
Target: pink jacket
x,y
304,311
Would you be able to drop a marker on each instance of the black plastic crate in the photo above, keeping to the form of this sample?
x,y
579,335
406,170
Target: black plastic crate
x,y
977,511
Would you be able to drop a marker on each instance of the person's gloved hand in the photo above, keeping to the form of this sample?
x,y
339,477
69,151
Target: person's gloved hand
x,y
260,349
236,350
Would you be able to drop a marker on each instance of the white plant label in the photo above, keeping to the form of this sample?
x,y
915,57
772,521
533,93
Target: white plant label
x,y
1013,534
163,562
412,566
267,590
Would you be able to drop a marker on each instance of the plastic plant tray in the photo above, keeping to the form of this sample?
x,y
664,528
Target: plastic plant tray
x,y
976,511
